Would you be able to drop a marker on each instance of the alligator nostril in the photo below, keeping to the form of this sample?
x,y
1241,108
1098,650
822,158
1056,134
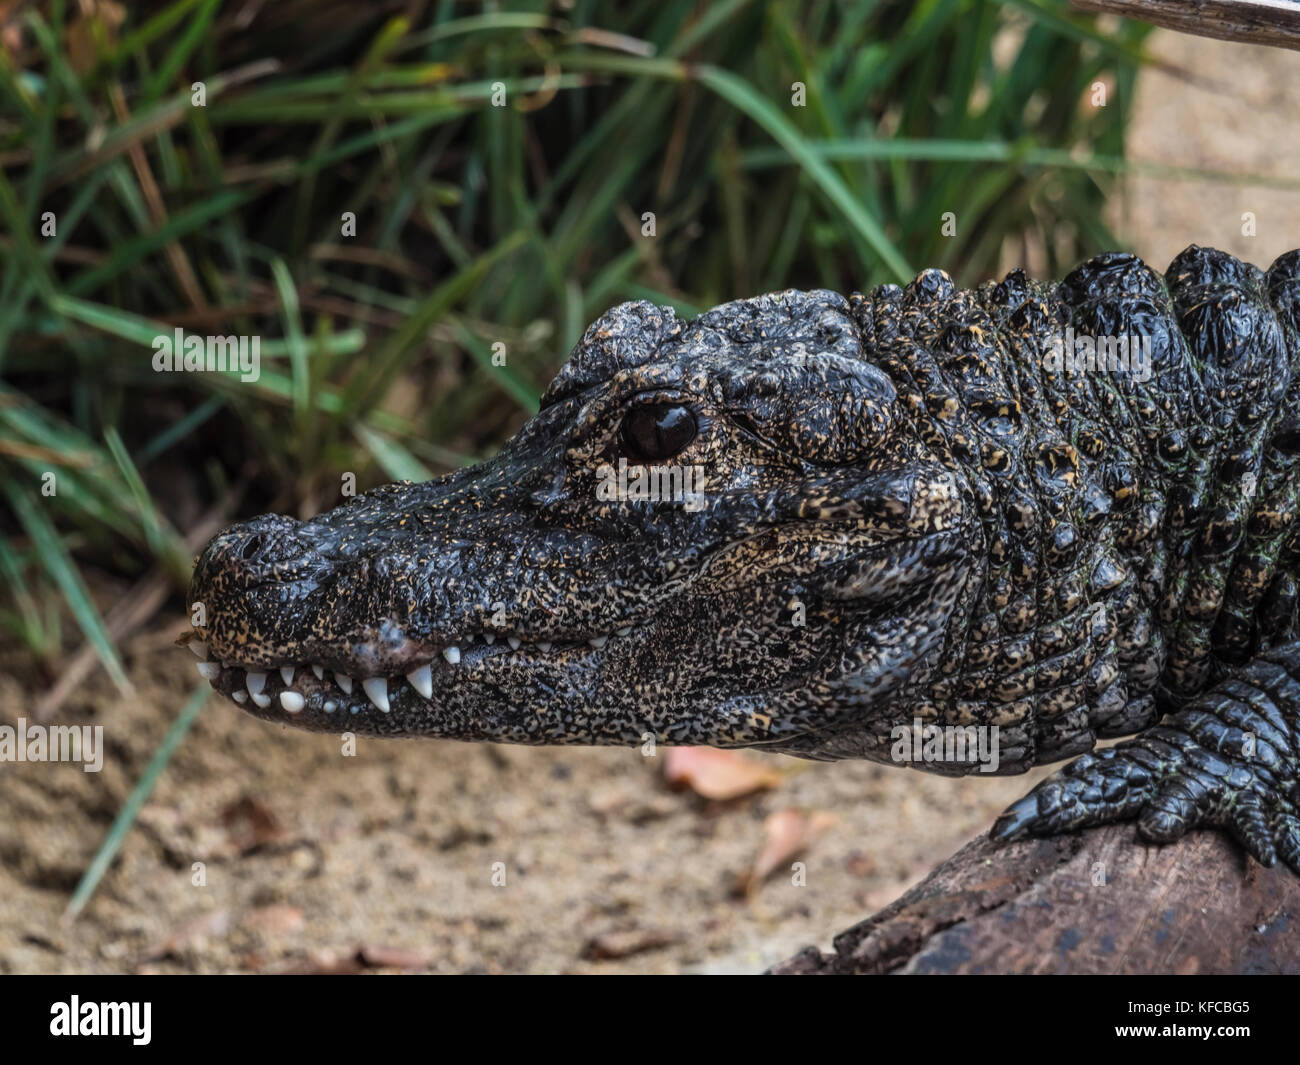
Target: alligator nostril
x,y
260,545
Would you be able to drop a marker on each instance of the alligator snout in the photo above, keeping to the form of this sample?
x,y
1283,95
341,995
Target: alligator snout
x,y
263,549
255,587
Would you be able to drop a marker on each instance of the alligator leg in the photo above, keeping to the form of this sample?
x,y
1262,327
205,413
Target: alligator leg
x,y
1230,758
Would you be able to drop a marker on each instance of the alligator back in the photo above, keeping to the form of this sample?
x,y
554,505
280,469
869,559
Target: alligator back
x,y
1130,441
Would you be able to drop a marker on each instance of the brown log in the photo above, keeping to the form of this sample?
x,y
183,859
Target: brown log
x,y
1100,901
1272,22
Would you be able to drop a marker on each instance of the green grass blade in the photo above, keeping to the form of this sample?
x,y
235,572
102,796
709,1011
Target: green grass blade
x,y
49,548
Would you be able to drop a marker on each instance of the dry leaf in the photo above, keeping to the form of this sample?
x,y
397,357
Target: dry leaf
x,y
93,32
275,918
789,833
396,957
717,774
609,945
251,824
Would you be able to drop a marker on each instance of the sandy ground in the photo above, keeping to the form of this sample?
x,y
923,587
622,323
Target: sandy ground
x,y
264,849
312,855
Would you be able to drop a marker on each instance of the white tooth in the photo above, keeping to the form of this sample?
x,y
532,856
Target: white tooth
x,y
422,681
491,638
199,648
208,670
451,654
598,641
262,700
239,697
256,682
514,642
545,648
319,671
330,706
286,674
377,690
625,631
292,701
344,682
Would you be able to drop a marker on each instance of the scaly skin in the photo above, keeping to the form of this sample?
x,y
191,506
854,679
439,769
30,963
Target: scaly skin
x,y
909,512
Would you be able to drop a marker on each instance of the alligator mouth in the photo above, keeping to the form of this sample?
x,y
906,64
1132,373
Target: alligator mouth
x,y
309,688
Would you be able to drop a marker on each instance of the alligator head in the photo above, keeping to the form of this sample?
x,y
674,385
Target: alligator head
x,y
722,531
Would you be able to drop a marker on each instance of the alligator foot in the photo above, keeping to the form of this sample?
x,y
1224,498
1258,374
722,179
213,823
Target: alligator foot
x,y
1229,758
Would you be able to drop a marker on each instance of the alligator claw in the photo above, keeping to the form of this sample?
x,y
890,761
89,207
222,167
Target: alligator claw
x,y
1096,789
1221,761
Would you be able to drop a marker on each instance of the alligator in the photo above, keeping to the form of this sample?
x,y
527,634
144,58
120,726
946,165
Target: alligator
x,y
1063,513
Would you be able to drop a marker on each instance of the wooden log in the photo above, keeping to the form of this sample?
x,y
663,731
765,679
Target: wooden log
x,y
1271,22
1100,901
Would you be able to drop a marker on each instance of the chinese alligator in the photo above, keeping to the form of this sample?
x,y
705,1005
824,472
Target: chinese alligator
x,y
918,504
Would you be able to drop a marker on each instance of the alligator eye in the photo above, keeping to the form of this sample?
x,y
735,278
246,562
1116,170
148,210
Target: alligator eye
x,y
653,432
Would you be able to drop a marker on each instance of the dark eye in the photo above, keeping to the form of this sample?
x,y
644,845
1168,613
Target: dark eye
x,y
653,432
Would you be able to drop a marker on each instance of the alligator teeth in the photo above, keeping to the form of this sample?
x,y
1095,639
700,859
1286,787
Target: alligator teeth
x,y
545,648
626,630
239,697
255,682
344,682
377,691
286,674
262,700
319,671
514,642
199,648
491,638
330,706
451,654
292,701
598,641
208,670
422,681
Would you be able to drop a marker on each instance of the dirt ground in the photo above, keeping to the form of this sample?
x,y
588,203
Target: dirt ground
x,y
314,860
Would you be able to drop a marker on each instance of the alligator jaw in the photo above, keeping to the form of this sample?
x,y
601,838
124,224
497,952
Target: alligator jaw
x,y
312,695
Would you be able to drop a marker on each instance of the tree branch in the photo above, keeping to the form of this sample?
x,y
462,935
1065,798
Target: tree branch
x,y
1101,901
1272,22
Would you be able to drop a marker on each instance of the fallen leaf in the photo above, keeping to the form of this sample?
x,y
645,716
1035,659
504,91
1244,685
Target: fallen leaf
x,y
251,824
715,774
609,945
789,833
860,864
276,918
608,800
396,957
321,963
94,31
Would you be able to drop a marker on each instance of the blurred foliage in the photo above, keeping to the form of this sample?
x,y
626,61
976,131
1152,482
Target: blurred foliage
x,y
475,224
